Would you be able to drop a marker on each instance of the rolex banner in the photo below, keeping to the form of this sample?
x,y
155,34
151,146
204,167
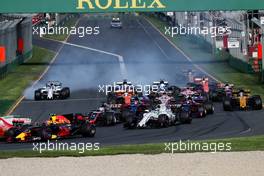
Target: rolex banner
x,y
16,6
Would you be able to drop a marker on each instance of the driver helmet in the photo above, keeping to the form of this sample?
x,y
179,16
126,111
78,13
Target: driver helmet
x,y
53,119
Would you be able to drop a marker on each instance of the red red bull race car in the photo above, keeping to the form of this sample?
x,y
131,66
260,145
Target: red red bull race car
x,y
57,127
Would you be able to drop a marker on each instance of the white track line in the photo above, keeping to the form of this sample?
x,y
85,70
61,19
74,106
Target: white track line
x,y
120,58
182,52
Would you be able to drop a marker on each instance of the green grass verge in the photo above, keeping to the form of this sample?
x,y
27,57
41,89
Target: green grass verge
x,y
61,37
238,144
219,68
18,79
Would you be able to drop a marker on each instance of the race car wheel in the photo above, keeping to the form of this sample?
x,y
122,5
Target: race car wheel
x,y
45,134
163,121
227,105
88,130
257,102
109,118
114,120
68,92
65,93
37,95
10,135
125,113
202,112
129,122
213,96
209,108
185,118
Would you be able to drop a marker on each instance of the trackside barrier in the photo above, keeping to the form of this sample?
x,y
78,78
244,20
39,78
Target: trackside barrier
x,y
11,66
16,37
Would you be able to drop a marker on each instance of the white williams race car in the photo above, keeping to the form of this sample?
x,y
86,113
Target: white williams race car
x,y
161,117
116,23
52,90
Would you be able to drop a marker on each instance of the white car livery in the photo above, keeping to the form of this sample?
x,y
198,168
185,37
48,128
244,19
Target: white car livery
x,y
52,90
162,116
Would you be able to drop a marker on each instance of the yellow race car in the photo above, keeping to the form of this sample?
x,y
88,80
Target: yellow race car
x,y
242,100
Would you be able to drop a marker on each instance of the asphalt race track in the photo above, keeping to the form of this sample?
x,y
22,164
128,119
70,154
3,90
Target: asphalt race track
x,y
139,53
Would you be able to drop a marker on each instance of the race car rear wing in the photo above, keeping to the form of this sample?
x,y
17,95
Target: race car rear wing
x,y
122,83
198,80
159,82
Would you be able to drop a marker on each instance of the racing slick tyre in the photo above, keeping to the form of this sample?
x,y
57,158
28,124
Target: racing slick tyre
x,y
163,121
185,118
10,135
130,122
37,95
88,130
45,134
68,92
227,104
202,112
213,96
125,113
65,93
110,118
209,108
257,102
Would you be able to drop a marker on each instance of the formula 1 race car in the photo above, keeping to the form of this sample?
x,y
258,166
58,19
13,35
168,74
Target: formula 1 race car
x,y
182,110
58,126
118,91
199,85
52,90
219,91
203,100
161,88
116,23
8,122
103,117
198,104
242,100
161,117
